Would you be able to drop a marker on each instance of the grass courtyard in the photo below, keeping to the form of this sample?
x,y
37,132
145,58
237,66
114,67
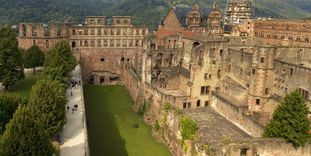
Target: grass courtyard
x,y
23,86
112,121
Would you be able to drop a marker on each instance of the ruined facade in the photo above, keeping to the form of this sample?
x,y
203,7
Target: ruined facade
x,y
103,47
230,84
276,32
238,11
45,36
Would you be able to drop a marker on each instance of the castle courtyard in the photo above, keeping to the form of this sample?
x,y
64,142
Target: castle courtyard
x,y
114,128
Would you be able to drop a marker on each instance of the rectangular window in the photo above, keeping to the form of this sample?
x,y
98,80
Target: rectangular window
x,y
34,31
105,43
47,44
99,32
205,90
189,105
111,43
262,60
258,102
118,43
304,94
206,103
86,32
243,152
105,32
185,105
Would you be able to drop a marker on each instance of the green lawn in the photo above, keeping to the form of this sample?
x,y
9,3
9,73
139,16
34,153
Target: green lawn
x,y
111,119
23,86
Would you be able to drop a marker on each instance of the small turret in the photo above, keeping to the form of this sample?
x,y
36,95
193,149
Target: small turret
x,y
214,22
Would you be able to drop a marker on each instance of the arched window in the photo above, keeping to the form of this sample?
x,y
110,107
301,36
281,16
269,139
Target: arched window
x,y
195,44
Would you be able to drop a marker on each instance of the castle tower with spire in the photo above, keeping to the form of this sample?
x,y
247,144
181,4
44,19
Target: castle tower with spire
x,y
238,11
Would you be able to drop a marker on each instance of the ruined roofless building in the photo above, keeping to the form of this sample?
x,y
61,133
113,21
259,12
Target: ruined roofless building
x,y
229,84
102,45
45,36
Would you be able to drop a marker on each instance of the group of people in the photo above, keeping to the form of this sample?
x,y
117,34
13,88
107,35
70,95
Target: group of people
x,y
75,108
73,83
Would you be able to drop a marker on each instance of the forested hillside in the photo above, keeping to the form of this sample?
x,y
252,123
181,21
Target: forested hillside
x,y
145,12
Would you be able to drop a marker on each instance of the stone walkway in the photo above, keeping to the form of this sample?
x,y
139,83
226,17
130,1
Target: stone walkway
x,y
74,135
214,127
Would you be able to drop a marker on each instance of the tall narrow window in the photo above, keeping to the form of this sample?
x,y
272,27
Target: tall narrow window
x,y
47,44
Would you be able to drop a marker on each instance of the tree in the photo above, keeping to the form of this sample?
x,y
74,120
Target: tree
x,y
62,57
57,74
10,58
8,104
47,100
290,120
33,58
24,136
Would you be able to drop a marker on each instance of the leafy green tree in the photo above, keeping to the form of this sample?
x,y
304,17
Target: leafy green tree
x,y
188,128
10,58
47,100
8,104
61,56
24,136
57,74
290,121
33,58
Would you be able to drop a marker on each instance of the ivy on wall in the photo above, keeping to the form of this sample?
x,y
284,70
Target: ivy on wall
x,y
188,128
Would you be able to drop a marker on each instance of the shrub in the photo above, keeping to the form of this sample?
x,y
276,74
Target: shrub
x,y
188,128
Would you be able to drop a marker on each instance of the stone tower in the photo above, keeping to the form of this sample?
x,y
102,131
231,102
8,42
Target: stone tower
x,y
238,11
214,21
261,82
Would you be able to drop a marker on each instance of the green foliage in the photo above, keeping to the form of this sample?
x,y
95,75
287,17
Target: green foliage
x,y
57,74
8,104
10,58
290,121
24,136
47,100
61,57
188,128
143,108
157,125
166,107
33,58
